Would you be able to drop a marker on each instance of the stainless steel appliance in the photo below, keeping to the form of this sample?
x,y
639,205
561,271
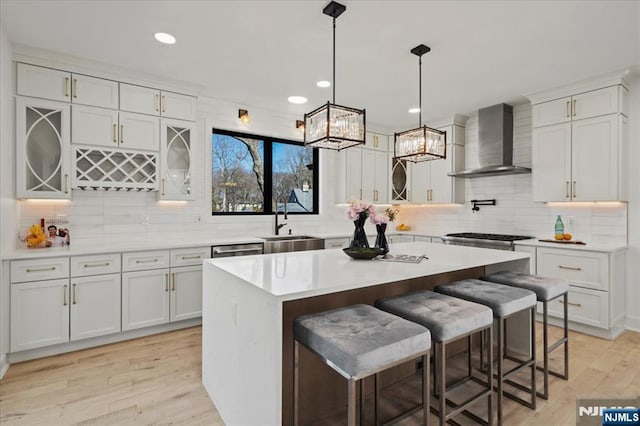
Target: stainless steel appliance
x,y
229,250
475,239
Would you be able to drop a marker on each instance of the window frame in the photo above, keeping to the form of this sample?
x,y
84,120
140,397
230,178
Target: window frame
x,y
268,176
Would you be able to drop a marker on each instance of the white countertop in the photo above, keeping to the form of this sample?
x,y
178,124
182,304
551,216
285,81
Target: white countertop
x,y
607,248
310,273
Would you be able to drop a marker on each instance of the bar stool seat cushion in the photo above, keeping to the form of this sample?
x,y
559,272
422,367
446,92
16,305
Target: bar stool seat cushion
x,y
445,316
545,288
502,299
361,340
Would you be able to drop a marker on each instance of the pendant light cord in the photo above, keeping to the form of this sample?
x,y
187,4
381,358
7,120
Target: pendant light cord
x,y
420,89
334,61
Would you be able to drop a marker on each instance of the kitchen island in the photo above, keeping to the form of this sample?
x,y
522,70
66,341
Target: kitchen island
x,y
250,302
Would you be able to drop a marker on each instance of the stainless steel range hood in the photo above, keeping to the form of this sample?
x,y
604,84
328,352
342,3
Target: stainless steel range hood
x,y
495,139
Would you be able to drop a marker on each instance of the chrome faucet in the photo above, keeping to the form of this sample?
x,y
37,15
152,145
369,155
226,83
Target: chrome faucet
x,y
278,226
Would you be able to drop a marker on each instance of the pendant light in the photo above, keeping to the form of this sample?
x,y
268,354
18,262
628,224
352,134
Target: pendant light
x,y
334,126
422,143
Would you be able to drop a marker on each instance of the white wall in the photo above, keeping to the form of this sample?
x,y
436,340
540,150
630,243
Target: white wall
x,y
514,212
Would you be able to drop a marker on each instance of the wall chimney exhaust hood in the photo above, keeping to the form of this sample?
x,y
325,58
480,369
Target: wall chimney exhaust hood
x,y
495,140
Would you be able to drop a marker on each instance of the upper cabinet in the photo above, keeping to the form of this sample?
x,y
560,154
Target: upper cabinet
x,y
579,146
429,183
176,165
94,91
365,171
155,102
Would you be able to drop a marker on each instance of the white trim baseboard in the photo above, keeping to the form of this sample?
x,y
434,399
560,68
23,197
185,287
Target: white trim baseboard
x,y
4,365
633,323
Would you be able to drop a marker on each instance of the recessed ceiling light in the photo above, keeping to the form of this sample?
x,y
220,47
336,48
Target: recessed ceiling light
x,y
165,38
323,83
414,110
297,99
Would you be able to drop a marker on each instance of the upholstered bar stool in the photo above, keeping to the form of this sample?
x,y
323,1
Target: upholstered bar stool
x,y
546,290
449,319
359,341
504,301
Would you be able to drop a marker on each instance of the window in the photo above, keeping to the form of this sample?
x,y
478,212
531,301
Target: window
x,y
253,174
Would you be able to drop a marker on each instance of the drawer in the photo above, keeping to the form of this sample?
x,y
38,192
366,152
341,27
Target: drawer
x,y
586,306
332,243
39,269
82,266
584,269
143,260
189,256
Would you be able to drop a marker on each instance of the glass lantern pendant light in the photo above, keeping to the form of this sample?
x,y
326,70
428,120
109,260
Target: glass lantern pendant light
x,y
423,143
334,126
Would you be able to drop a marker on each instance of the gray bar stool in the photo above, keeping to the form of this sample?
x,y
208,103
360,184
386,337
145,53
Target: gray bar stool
x,y
546,290
505,302
359,341
449,319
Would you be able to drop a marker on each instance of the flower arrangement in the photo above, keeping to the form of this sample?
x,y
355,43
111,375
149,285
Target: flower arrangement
x,y
359,209
378,218
36,237
392,213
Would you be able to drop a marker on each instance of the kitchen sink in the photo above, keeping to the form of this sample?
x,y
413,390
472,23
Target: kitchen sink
x,y
288,243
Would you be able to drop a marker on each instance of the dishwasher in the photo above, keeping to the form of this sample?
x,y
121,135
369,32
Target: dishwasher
x,y
229,250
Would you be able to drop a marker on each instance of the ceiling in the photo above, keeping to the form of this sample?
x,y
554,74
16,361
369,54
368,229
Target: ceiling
x,y
258,52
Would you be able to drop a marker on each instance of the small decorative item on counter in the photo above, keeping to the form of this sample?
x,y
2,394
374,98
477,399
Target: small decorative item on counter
x,y
362,253
559,229
381,220
391,213
358,211
403,227
36,237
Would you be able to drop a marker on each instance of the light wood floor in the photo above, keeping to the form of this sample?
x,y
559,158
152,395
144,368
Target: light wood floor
x,y
157,380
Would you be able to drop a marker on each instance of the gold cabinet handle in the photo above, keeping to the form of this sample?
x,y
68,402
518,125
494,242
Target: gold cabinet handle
x,y
66,184
115,133
53,268
579,305
191,257
574,107
164,104
75,88
122,133
74,293
566,190
66,86
166,282
571,268
568,109
64,295
360,193
163,187
157,101
173,281
574,189
147,260
375,141
95,265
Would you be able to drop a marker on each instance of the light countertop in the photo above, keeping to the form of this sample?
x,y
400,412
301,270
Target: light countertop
x,y
290,276
600,247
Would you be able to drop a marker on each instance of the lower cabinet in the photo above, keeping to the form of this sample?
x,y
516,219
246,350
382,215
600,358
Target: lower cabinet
x,y
331,243
186,293
95,306
145,298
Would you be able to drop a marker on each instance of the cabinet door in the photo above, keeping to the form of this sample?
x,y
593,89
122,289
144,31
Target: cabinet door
x,y
552,112
95,306
175,105
441,184
595,159
399,181
176,146
353,174
138,131
597,102
94,126
377,142
42,149
551,163
145,298
139,99
39,314
368,175
381,177
94,91
43,82
186,293
420,173
332,243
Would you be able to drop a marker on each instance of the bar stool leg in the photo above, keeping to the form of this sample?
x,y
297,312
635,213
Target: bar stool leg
x,y
533,355
375,397
545,345
440,348
296,384
490,379
566,337
351,402
361,386
426,400
500,339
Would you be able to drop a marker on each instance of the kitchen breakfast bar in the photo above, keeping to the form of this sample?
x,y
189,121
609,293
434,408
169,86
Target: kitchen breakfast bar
x,y
250,303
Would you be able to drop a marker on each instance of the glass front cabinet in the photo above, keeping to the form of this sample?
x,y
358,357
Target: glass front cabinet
x,y
176,168
43,149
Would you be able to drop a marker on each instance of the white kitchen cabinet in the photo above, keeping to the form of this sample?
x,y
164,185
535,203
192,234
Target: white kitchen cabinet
x,y
421,238
332,243
377,142
375,175
429,180
352,174
145,298
42,149
399,238
94,91
138,131
400,182
176,160
145,100
41,82
39,314
186,293
579,147
144,260
95,306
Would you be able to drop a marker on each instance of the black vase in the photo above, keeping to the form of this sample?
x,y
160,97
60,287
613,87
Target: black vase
x,y
381,240
359,237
